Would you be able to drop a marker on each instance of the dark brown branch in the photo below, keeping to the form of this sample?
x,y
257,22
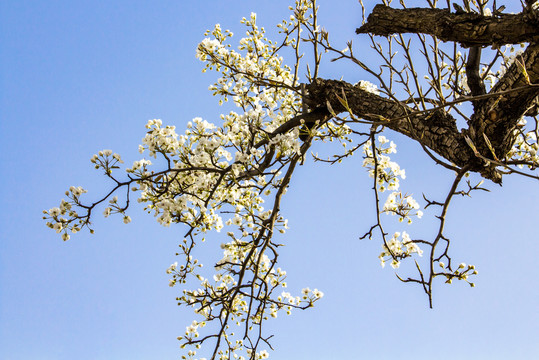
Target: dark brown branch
x,y
436,130
498,116
475,83
319,113
469,29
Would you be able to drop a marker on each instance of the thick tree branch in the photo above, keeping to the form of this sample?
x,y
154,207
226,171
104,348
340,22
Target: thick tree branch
x,y
498,116
469,29
437,129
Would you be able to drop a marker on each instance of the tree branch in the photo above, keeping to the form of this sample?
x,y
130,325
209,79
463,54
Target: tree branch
x,y
498,116
475,83
437,129
468,29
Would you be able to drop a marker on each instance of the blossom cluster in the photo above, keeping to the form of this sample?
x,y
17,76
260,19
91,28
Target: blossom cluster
x,y
266,280
403,206
259,84
463,272
396,249
368,86
387,171
525,149
64,218
106,160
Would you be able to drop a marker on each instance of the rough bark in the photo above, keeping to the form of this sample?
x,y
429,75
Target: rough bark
x,y
468,29
437,130
498,116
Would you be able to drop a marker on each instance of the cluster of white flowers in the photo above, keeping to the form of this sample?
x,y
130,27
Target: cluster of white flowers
x,y
197,159
65,219
106,160
396,249
311,294
463,272
525,149
368,86
510,53
301,14
286,144
388,172
403,206
267,280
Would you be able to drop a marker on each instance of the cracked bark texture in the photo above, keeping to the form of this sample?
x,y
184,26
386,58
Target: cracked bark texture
x,y
498,116
436,130
468,29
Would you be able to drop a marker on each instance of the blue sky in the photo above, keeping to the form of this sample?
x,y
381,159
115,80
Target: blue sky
x,y
81,76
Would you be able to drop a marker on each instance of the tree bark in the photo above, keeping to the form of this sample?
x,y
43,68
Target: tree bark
x,y
498,116
468,29
436,130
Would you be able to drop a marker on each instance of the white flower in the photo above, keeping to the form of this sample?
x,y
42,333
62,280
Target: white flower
x,y
77,191
127,219
192,328
368,86
58,227
54,211
172,267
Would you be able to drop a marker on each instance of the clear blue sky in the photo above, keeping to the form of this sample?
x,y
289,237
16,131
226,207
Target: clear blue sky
x,y
81,76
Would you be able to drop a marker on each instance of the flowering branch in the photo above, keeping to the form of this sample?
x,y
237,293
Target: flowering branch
x,y
219,177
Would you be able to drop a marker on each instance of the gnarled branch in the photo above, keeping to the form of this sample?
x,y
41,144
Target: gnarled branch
x,y
468,29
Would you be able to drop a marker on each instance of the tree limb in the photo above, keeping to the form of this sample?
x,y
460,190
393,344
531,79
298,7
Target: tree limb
x,y
437,129
468,29
498,116
475,83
